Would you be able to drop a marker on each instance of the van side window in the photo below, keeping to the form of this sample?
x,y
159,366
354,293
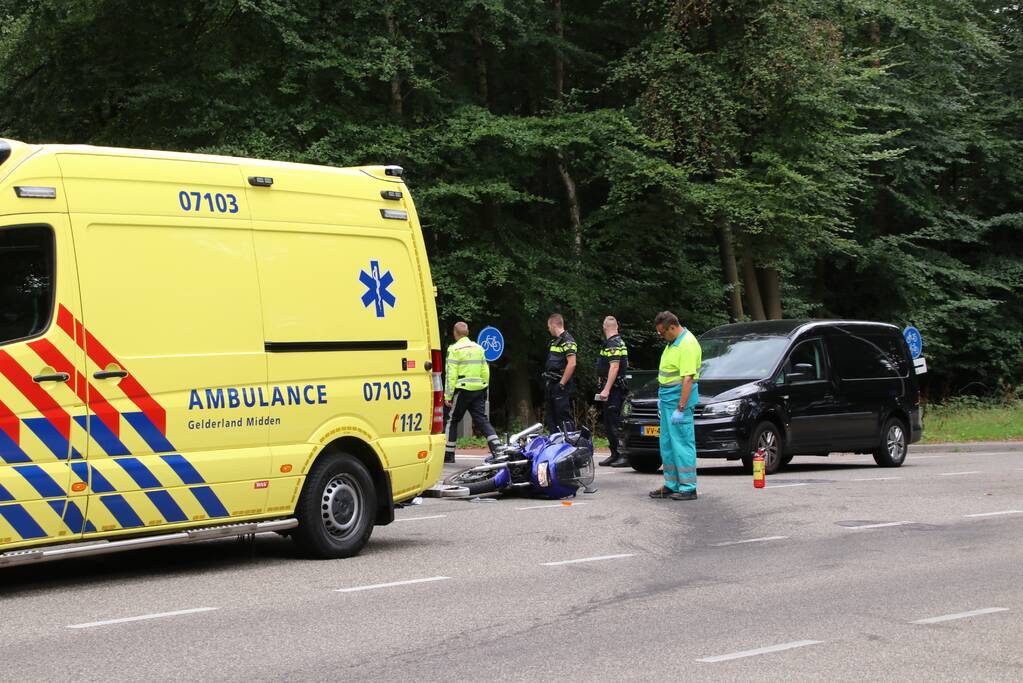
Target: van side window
x,y
895,352
806,359
26,281
859,357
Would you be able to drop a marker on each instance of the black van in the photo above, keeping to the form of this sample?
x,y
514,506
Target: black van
x,y
792,387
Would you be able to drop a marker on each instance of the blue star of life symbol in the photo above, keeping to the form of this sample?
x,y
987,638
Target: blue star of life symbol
x,y
376,288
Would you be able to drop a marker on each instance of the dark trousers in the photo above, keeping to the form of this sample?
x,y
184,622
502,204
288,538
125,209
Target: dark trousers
x,y
475,403
613,416
557,411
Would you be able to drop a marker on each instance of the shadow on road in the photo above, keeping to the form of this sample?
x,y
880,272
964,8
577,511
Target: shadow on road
x,y
730,469
199,560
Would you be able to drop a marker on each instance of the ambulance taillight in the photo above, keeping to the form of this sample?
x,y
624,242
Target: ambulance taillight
x,y
437,361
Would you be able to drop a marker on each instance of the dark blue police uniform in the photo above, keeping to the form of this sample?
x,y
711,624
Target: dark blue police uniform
x,y
558,398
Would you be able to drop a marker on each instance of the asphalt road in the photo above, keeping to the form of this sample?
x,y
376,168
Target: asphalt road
x,y
838,570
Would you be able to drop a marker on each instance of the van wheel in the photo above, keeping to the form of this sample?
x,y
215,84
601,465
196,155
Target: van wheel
x,y
766,436
337,508
892,449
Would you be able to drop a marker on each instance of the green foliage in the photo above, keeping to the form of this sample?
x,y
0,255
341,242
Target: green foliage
x,y
869,152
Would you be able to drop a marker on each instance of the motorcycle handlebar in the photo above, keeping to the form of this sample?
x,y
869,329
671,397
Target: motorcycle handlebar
x,y
535,429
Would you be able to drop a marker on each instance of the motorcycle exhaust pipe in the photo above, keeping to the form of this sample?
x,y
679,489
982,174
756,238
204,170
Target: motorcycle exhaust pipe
x,y
535,429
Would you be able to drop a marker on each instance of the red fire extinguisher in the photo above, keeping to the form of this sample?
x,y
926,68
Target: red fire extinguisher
x,y
758,469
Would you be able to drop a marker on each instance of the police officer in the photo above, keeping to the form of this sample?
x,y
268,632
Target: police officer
x,y
677,396
611,368
465,389
557,375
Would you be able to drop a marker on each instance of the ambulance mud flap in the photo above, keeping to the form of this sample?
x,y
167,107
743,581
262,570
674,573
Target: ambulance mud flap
x,y
34,555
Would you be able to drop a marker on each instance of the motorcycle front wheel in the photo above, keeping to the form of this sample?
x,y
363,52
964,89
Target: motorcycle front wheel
x,y
476,482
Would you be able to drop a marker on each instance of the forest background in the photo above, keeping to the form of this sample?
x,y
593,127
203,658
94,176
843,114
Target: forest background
x,y
726,160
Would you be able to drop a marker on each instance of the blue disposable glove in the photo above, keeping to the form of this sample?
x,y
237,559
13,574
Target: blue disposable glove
x,y
678,417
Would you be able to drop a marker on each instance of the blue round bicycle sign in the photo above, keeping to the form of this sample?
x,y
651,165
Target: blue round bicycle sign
x,y
914,340
492,341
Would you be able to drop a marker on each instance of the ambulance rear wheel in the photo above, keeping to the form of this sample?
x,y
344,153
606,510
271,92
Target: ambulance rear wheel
x,y
337,508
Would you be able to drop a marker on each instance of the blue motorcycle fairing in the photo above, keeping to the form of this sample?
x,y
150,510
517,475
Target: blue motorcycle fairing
x,y
503,478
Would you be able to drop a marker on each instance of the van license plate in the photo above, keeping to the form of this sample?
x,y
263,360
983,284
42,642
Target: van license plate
x,y
651,431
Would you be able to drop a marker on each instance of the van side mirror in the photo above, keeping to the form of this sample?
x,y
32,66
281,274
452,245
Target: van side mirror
x,y
801,373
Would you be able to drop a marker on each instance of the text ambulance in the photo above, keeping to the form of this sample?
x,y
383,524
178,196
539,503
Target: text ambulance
x,y
197,346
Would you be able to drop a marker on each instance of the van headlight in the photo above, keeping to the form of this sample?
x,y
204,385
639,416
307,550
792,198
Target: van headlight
x,y
722,409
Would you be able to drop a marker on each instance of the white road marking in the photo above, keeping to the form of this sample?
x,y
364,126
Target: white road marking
x,y
555,505
877,479
957,474
159,615
588,559
785,486
416,519
877,526
391,585
995,514
760,651
925,457
749,540
961,615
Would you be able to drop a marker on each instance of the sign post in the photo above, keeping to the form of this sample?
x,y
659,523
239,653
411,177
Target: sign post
x,y
915,341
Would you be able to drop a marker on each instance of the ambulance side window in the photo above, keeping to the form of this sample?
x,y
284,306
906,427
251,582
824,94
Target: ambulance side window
x,y
26,281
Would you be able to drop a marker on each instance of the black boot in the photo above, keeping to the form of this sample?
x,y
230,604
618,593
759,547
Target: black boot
x,y
607,461
620,461
449,458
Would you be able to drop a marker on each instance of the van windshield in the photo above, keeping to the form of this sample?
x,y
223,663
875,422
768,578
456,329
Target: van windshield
x,y
746,357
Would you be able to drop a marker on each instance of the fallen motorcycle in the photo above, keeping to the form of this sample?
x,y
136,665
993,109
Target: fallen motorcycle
x,y
553,466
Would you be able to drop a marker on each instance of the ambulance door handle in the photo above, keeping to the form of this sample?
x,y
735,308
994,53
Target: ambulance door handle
x,y
110,374
55,377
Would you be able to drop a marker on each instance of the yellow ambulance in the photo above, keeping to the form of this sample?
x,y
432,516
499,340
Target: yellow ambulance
x,y
196,346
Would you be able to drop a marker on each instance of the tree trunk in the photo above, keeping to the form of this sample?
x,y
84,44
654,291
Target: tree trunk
x,y
559,60
574,209
729,272
820,287
482,79
396,106
771,291
751,288
519,395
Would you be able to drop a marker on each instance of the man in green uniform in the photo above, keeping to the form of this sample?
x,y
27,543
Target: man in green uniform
x,y
467,377
677,397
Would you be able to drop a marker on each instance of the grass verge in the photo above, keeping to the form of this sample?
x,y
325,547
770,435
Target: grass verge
x,y
970,420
